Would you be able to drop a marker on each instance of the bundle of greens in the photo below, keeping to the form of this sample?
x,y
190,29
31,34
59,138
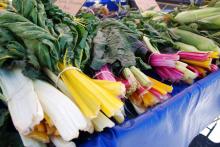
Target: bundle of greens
x,y
38,110
157,35
117,45
50,46
50,42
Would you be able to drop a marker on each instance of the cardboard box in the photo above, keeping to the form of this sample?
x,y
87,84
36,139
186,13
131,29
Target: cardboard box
x,y
144,5
70,6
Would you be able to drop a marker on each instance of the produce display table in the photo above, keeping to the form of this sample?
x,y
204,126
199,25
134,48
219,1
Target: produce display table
x,y
172,124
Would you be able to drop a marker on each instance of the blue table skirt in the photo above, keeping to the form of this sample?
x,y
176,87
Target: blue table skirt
x,y
172,124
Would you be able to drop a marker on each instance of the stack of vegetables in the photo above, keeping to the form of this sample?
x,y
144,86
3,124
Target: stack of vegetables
x,y
195,35
167,65
198,54
50,42
60,75
200,62
115,46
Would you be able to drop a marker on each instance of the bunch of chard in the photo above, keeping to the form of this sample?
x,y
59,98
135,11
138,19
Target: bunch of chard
x,y
168,66
117,45
200,62
57,48
143,91
146,91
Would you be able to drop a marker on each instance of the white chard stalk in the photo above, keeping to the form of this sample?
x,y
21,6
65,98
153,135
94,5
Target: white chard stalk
x,y
90,128
101,122
63,88
119,116
64,114
22,101
29,142
57,81
59,142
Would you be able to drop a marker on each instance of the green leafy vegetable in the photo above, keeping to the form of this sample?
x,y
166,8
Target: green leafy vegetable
x,y
32,10
36,39
113,44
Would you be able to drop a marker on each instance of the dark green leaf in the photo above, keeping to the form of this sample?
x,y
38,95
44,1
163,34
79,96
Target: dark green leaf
x,y
37,40
112,44
32,10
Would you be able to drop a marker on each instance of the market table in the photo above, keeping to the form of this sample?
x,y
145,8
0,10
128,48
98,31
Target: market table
x,y
171,124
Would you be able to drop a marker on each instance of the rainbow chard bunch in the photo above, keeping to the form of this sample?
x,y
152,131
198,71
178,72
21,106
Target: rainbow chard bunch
x,y
107,80
168,66
117,45
200,62
142,90
149,91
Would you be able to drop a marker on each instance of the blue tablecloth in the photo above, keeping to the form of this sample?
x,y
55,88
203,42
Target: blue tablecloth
x,y
172,124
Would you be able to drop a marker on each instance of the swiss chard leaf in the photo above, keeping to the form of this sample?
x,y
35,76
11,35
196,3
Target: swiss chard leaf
x,y
32,10
37,40
114,44
82,50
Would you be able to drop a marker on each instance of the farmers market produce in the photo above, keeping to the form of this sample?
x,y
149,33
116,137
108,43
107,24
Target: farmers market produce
x,y
62,75
42,50
116,45
160,38
41,113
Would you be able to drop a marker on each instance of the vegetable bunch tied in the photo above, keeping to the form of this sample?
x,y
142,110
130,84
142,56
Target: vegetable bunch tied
x,y
49,45
114,59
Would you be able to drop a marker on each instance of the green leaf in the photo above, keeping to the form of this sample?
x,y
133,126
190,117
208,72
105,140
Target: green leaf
x,y
112,45
37,40
82,50
32,10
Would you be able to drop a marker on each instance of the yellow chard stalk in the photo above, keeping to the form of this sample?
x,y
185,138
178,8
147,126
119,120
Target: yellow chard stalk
x,y
22,101
204,64
81,92
161,86
63,88
116,88
65,116
89,95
